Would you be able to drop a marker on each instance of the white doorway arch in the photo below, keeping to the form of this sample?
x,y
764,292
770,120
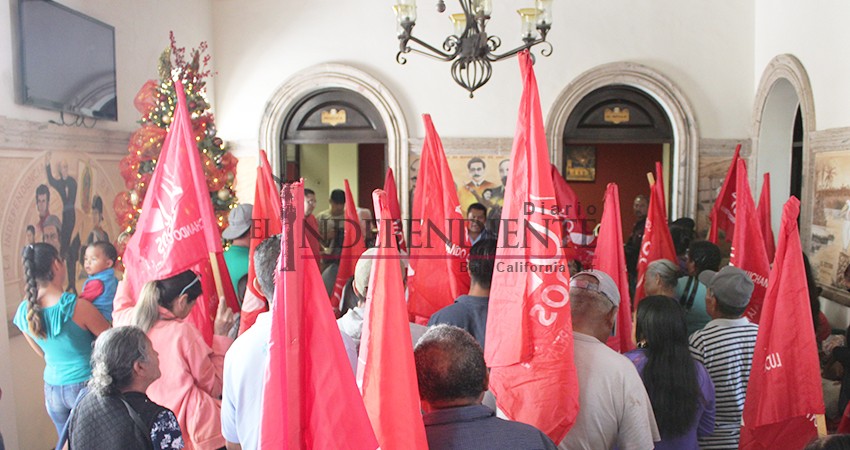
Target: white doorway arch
x,y
330,75
784,87
662,90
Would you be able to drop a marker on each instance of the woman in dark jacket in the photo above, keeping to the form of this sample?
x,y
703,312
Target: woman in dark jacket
x,y
116,413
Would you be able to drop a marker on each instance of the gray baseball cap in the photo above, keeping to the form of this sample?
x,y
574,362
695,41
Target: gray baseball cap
x,y
606,286
238,221
731,285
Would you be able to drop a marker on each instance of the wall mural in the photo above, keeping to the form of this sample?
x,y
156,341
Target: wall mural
x,y
480,179
830,244
62,198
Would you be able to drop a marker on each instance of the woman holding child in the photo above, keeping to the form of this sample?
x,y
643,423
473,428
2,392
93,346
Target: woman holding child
x,y
191,381
59,328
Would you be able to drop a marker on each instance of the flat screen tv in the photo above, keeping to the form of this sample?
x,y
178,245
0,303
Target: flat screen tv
x,y
66,60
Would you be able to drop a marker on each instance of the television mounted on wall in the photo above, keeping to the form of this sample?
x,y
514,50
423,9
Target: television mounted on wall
x,y
65,60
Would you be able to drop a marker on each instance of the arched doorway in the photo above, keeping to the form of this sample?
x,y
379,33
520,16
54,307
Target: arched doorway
x,y
654,84
313,81
332,135
626,132
783,117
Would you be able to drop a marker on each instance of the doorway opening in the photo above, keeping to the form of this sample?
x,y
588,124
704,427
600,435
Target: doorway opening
x,y
626,131
332,135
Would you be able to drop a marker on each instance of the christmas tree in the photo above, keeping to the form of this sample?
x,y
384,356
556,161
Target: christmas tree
x,y
156,101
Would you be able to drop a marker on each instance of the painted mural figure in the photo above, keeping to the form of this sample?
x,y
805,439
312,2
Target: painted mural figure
x,y
66,186
472,191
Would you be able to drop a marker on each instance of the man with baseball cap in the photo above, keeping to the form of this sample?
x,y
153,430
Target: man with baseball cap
x,y
238,232
614,409
725,346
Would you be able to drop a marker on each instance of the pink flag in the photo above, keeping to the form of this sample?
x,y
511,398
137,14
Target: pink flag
x,y
177,229
748,252
352,246
609,258
395,209
657,242
266,222
763,211
723,213
310,399
529,329
386,368
438,247
784,392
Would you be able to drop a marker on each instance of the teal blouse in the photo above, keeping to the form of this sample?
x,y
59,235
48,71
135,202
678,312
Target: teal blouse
x,y
67,348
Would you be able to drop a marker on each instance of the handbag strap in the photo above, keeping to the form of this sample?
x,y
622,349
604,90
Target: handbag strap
x,y
140,425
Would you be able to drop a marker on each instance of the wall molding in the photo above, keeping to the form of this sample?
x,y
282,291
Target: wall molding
x,y
26,135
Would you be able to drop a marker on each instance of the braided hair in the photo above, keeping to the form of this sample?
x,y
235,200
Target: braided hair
x,y
38,270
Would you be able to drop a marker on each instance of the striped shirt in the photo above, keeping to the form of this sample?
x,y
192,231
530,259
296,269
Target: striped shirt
x,y
725,347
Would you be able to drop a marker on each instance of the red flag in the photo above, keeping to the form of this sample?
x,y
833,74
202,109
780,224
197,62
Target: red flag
x,y
438,247
310,398
352,246
748,252
657,242
723,213
763,211
529,329
611,259
578,235
784,392
177,229
266,222
386,368
395,209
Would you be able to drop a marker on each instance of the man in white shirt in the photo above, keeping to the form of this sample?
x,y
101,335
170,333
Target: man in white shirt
x,y
246,361
614,409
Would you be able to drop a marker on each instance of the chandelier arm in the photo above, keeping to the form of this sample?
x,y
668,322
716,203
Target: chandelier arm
x,y
434,52
498,57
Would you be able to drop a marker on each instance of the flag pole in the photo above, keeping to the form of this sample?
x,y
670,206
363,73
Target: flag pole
x,y
820,420
219,287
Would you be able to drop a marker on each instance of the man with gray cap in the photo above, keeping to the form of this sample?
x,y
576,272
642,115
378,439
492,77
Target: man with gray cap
x,y
238,232
353,307
725,347
614,409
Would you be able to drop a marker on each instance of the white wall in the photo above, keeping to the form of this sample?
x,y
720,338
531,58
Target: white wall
x,y
706,48
818,35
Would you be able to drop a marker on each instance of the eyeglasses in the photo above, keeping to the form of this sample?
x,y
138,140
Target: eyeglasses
x,y
195,281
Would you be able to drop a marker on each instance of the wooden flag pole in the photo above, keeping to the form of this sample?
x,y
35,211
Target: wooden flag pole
x,y
219,287
820,420
651,178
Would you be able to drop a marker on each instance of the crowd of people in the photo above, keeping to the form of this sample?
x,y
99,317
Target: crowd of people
x,y
152,381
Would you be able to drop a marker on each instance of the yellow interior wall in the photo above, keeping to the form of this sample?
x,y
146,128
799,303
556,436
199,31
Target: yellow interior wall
x,y
343,159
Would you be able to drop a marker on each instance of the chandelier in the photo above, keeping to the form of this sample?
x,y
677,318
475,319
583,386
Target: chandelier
x,y
471,49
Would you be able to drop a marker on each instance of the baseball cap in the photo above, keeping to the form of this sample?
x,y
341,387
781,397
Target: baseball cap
x,y
363,269
238,221
731,285
606,285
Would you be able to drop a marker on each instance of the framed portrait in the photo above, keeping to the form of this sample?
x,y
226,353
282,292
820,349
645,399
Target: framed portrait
x,y
580,163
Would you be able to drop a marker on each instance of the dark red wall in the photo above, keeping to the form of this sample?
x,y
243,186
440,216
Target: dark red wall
x,y
370,173
626,165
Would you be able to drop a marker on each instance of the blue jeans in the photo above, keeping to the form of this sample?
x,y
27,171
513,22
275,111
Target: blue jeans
x,y
59,400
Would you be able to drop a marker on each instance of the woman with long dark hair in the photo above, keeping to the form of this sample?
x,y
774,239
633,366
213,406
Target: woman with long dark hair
x,y
191,381
59,328
679,387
